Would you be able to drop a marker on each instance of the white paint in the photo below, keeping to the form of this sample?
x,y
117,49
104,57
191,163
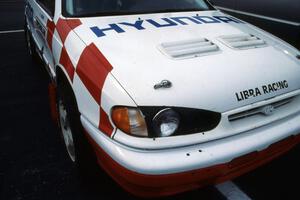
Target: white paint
x,y
12,31
138,64
86,103
209,82
175,160
260,16
232,191
74,47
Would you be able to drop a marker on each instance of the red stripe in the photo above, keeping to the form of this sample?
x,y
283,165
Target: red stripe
x,y
50,32
93,71
73,23
67,63
64,27
105,125
101,57
169,184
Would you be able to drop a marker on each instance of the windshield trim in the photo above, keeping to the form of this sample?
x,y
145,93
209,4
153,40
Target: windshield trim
x,y
106,14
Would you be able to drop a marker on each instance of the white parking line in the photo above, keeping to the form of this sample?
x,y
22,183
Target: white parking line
x,y
12,31
231,191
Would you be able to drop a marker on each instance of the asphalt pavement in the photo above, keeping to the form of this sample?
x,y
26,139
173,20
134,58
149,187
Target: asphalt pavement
x,y
33,161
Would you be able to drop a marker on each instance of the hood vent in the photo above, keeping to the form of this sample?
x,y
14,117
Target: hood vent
x,y
188,49
243,41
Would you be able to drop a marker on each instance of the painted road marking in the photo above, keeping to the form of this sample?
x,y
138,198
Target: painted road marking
x,y
231,191
12,31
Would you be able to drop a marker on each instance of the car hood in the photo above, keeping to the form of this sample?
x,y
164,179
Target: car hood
x,y
218,81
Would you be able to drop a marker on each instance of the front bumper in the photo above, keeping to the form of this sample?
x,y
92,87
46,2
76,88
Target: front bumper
x,y
154,173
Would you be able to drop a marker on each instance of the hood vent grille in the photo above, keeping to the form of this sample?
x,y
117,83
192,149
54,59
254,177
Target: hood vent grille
x,y
243,41
188,49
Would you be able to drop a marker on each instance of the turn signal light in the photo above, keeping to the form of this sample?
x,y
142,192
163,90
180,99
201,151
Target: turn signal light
x,y
130,121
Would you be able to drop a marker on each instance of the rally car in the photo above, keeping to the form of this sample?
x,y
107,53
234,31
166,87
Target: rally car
x,y
168,96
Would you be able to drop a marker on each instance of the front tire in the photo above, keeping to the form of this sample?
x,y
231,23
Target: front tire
x,y
78,148
66,130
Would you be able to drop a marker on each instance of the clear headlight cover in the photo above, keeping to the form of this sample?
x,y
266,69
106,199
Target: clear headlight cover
x,y
166,122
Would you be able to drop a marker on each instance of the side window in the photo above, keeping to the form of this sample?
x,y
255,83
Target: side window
x,y
48,6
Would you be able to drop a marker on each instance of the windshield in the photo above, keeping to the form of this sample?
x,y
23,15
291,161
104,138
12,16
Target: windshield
x,y
81,8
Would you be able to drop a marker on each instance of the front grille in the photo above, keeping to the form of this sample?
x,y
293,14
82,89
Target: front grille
x,y
258,110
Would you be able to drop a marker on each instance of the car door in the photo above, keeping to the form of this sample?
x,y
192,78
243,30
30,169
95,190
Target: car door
x,y
43,13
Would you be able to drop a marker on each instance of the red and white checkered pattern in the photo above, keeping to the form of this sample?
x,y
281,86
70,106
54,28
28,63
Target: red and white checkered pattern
x,y
86,67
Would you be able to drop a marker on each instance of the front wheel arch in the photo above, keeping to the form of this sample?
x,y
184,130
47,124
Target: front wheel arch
x,y
85,156
61,80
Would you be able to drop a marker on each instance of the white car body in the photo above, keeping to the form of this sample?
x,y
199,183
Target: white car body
x,y
263,74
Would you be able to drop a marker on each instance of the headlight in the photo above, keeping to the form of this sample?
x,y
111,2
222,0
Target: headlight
x,y
130,121
166,122
175,121
153,122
